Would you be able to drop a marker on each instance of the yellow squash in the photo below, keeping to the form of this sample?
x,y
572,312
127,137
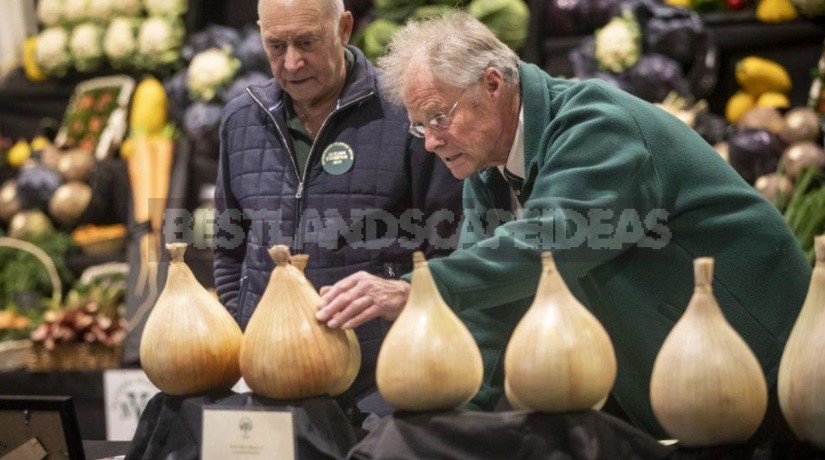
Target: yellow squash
x,y
757,75
149,106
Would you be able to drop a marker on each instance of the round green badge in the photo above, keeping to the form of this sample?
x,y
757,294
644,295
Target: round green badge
x,y
337,158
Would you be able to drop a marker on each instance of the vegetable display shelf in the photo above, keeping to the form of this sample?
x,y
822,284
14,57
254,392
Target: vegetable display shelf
x,y
797,45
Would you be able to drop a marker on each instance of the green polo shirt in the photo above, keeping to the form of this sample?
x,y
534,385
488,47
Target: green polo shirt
x,y
301,139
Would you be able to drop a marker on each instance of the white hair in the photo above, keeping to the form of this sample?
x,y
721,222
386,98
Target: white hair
x,y
455,49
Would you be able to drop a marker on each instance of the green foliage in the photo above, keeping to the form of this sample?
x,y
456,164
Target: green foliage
x,y
374,38
508,19
805,212
22,272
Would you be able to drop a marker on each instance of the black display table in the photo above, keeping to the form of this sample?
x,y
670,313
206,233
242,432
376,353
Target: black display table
x,y
510,435
95,450
171,426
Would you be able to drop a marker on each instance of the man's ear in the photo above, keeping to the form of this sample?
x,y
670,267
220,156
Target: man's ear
x,y
493,81
345,27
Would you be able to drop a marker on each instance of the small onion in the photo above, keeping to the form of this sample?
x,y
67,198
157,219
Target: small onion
x,y
772,186
9,204
801,155
767,118
723,149
76,165
29,224
69,201
801,124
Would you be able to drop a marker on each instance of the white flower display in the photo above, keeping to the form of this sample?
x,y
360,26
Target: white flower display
x,y
85,46
618,43
75,11
119,41
159,41
101,10
52,51
126,7
208,71
166,7
49,12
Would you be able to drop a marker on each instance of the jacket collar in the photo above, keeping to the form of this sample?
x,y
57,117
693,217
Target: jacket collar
x,y
535,102
363,82
536,98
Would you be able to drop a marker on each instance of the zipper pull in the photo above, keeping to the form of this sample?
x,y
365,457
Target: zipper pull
x,y
300,190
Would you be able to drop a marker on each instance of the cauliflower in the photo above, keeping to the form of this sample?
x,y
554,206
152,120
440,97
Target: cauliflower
x,y
51,53
618,43
209,71
75,11
49,12
126,7
159,42
166,7
101,10
119,42
85,46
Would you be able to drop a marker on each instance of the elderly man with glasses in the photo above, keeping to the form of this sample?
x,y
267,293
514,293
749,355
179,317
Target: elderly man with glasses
x,y
624,195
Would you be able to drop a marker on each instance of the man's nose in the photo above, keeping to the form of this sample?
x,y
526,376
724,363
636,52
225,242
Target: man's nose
x,y
432,141
293,60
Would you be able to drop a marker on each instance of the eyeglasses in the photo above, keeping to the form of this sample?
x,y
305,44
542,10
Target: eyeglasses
x,y
439,122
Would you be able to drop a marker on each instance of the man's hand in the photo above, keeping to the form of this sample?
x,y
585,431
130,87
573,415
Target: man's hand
x,y
359,298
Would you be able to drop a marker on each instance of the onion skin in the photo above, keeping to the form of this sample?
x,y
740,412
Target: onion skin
x,y
801,382
707,387
559,357
190,344
286,352
429,360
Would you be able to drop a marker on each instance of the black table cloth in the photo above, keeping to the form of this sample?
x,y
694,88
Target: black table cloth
x,y
507,435
171,426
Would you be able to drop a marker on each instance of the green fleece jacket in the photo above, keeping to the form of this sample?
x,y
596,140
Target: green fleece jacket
x,y
626,196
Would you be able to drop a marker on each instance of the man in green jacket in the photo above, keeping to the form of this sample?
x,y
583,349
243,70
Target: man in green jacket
x,y
625,195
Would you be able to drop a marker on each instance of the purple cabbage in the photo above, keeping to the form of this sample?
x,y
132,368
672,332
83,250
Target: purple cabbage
x,y
178,94
250,52
201,123
239,85
213,36
654,76
35,185
754,152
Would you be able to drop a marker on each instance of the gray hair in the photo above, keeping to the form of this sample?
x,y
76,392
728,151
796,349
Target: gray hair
x,y
456,49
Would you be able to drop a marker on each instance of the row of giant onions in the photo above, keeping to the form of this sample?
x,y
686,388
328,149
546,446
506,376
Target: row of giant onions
x,y
430,361
191,344
560,359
